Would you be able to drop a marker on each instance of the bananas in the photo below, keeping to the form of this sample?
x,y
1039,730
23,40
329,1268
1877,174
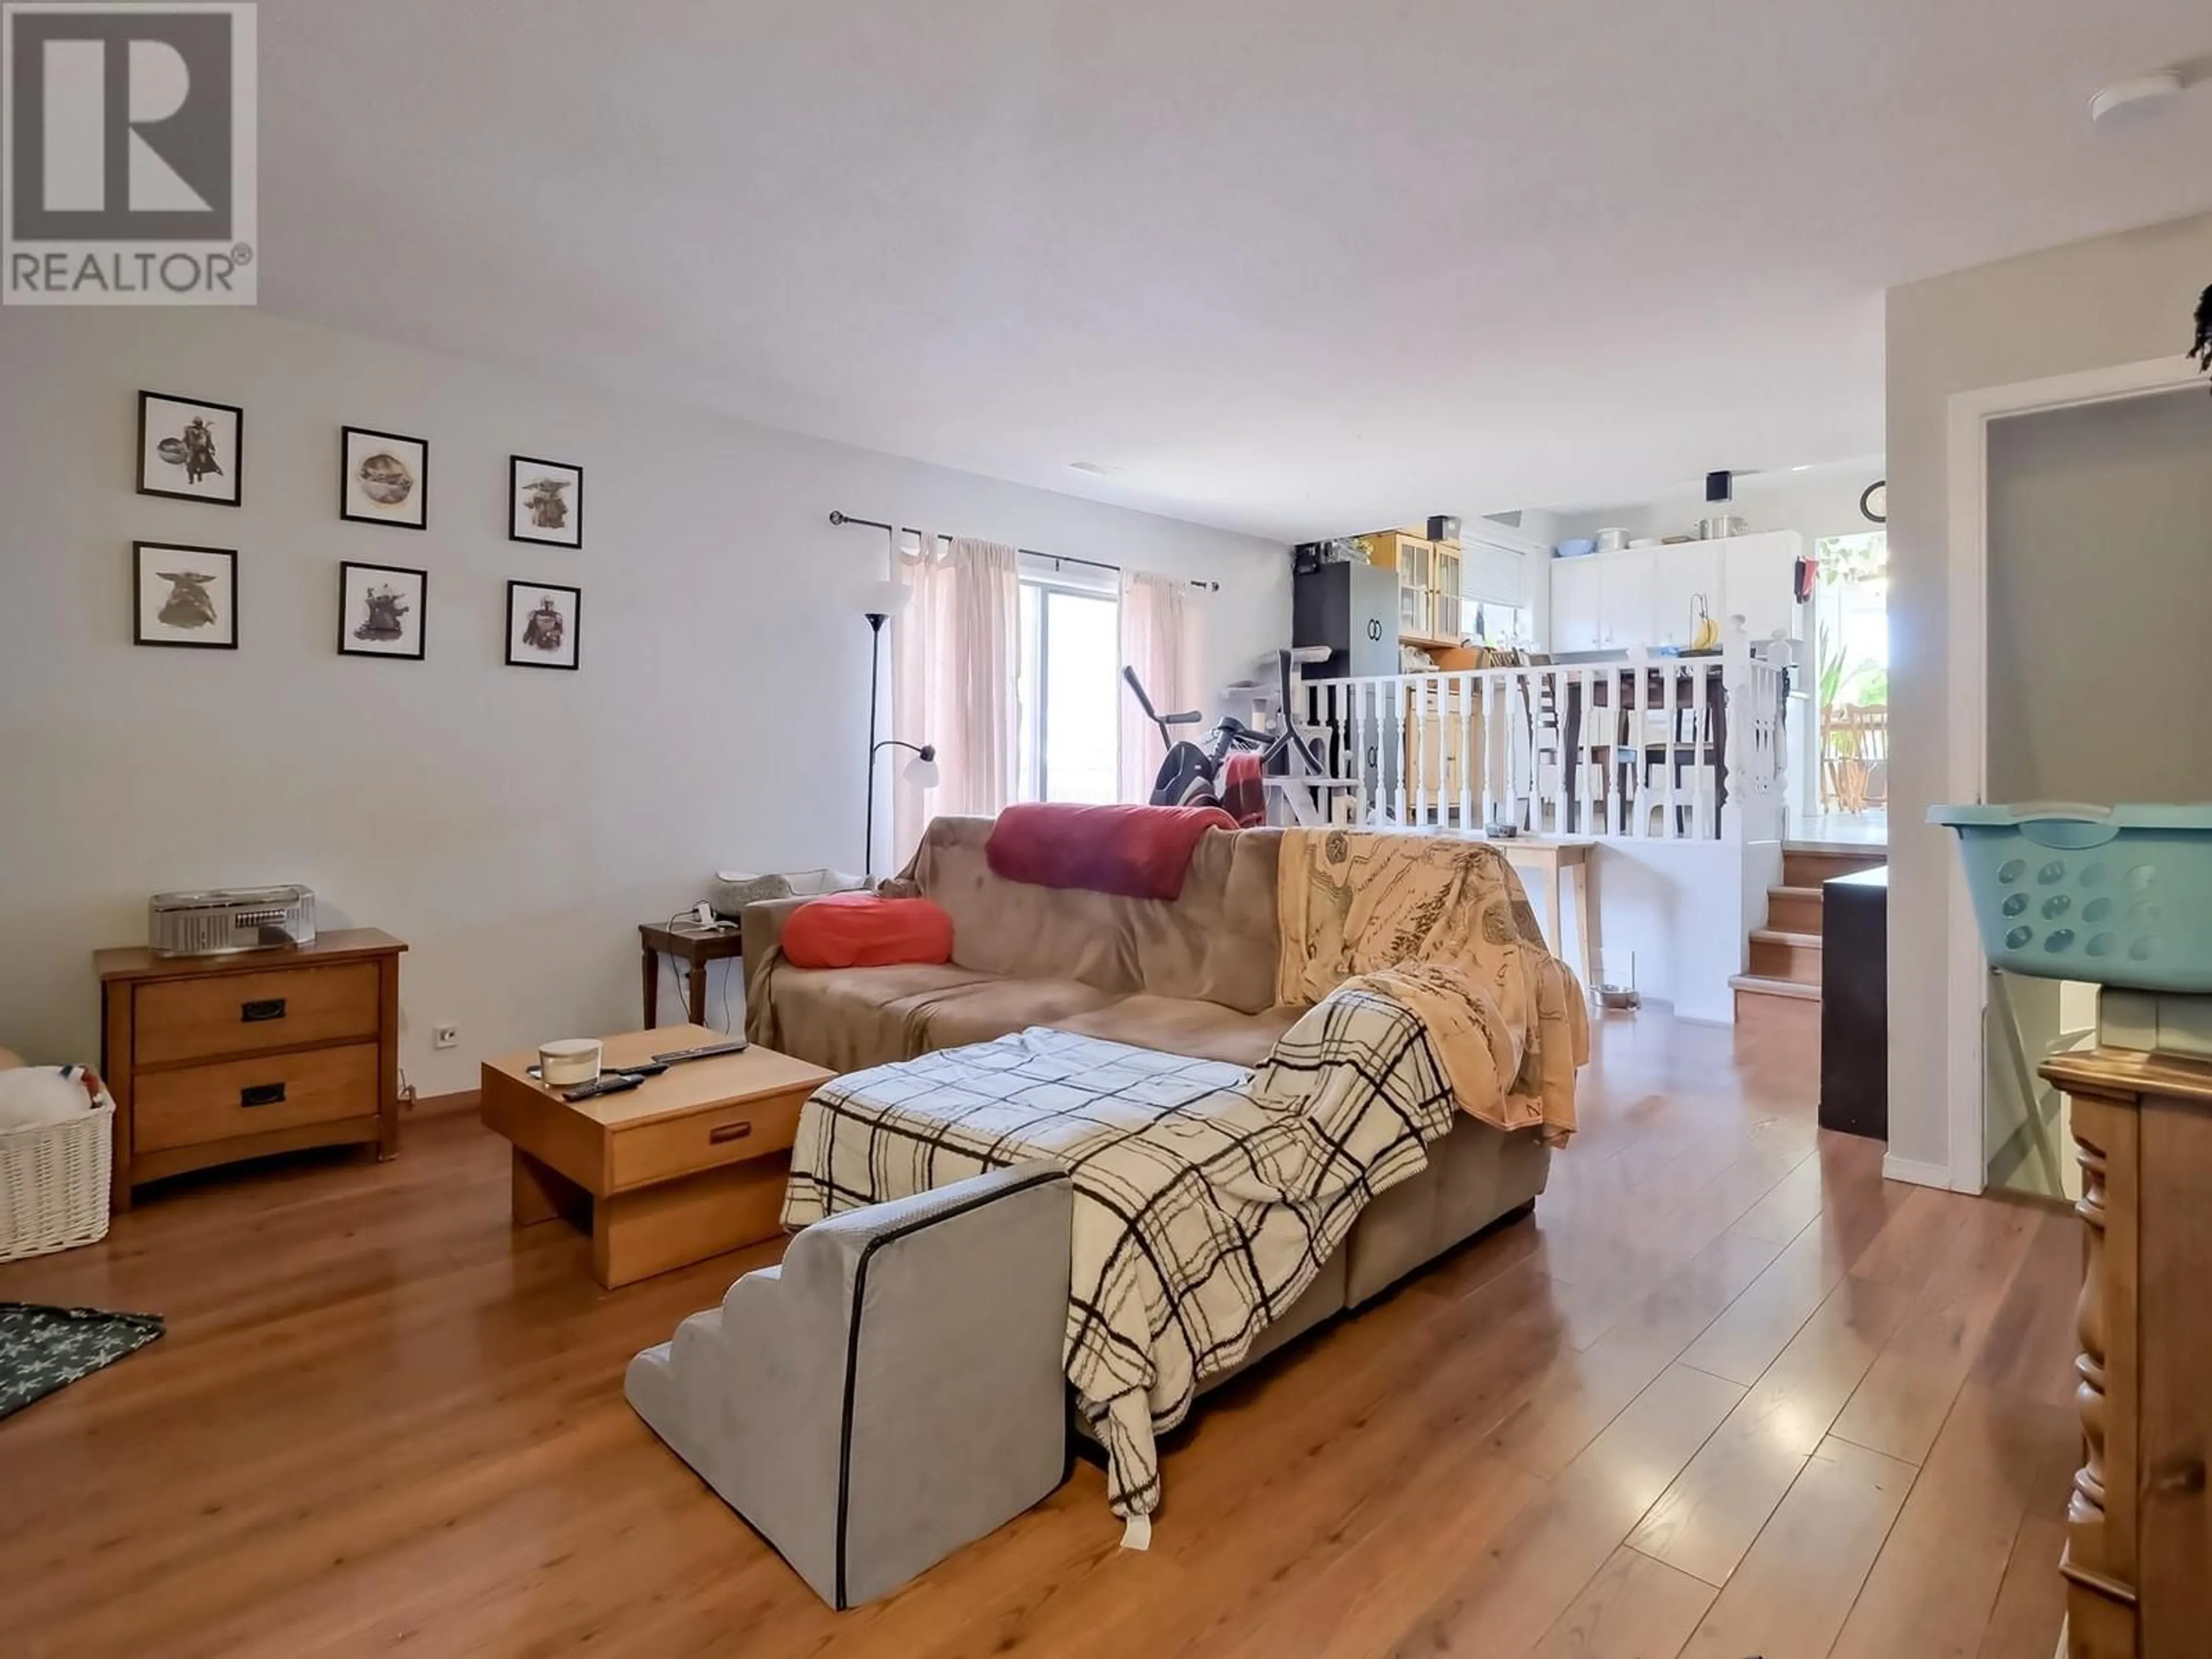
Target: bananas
x,y
1706,635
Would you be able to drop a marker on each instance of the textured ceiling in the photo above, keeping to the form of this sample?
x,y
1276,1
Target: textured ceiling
x,y
1291,267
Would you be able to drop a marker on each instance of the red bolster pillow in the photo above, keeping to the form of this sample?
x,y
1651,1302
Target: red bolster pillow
x,y
859,930
1139,852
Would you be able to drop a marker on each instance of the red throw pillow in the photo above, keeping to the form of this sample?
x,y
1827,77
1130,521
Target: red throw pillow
x,y
1139,852
859,930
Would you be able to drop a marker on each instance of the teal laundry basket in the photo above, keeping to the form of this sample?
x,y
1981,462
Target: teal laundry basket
x,y
2111,894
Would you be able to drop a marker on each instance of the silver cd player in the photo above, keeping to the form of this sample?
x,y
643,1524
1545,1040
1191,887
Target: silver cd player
x,y
225,919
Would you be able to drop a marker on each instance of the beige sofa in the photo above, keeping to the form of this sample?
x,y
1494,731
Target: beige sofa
x,y
1193,976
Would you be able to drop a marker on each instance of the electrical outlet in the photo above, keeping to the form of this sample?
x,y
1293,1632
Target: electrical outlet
x,y
445,1037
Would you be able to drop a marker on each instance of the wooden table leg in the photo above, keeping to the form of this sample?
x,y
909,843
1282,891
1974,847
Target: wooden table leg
x,y
1586,946
635,1235
540,1193
115,1061
387,1060
650,976
697,980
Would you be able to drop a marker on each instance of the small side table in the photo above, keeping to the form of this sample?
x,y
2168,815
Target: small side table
x,y
1562,863
696,946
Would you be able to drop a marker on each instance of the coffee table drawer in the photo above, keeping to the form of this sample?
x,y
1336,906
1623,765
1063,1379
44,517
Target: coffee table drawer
x,y
660,1151
200,1104
186,1019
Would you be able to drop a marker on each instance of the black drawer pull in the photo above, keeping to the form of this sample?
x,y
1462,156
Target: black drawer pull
x,y
722,1131
262,1094
268,1008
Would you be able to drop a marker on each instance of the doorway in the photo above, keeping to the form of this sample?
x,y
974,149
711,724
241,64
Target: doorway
x,y
2100,583
2082,572
1850,793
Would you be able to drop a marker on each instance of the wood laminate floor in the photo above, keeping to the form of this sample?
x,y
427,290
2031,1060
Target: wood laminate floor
x,y
1727,1394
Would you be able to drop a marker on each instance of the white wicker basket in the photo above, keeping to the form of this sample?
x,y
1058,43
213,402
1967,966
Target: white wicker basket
x,y
53,1183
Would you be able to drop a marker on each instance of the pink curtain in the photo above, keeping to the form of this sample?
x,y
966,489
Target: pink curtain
x,y
1159,640
955,651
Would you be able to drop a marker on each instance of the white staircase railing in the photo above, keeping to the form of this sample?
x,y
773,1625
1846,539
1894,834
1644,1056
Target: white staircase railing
x,y
1668,747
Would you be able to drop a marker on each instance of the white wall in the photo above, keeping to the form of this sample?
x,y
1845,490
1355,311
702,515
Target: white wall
x,y
1822,501
2100,587
1685,909
512,826
2092,305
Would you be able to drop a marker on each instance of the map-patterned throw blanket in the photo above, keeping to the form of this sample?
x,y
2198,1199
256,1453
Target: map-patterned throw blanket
x,y
1441,925
1206,1197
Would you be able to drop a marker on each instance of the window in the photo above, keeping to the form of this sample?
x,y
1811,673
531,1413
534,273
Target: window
x,y
1503,624
1070,686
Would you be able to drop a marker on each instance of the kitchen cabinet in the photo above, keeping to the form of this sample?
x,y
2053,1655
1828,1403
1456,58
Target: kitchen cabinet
x,y
1431,582
1650,596
1686,586
1623,587
1413,562
1578,623
1445,581
1759,578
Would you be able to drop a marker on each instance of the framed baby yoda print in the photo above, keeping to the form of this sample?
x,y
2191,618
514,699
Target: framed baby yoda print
x,y
384,478
184,595
381,610
544,502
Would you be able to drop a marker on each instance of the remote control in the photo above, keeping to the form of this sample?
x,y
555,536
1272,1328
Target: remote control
x,y
608,1082
677,1056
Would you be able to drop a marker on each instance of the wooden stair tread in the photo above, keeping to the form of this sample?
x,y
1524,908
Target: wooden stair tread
x,y
1784,936
1786,892
1761,985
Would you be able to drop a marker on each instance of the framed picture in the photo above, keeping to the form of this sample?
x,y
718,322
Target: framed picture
x,y
190,449
184,595
544,502
381,611
542,619
384,478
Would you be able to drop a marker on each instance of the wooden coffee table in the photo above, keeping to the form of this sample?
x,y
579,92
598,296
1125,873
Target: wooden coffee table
x,y
689,1166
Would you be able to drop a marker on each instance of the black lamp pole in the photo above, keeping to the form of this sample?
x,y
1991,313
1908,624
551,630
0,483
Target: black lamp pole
x,y
922,750
876,620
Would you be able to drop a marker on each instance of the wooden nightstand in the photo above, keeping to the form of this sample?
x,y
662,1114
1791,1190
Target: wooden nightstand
x,y
215,1058
695,946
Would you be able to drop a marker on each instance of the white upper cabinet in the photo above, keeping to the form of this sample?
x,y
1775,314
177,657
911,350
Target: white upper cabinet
x,y
1578,623
1686,586
1624,586
1654,596
1759,576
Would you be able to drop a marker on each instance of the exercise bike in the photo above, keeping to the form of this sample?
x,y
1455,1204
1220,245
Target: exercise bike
x,y
1237,764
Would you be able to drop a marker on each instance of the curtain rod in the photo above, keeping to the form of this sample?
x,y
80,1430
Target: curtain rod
x,y
1028,552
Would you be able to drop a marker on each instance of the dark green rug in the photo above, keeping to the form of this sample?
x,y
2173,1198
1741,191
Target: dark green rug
x,y
43,1349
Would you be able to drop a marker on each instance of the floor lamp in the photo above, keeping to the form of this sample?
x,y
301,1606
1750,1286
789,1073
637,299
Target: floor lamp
x,y
886,599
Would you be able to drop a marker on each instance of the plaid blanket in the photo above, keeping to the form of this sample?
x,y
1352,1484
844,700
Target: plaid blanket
x,y
1206,1197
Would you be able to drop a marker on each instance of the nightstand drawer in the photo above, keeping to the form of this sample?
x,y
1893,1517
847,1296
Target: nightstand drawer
x,y
188,1019
654,1152
196,1104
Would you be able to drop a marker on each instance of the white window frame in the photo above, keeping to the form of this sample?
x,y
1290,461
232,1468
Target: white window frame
x,y
1034,762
